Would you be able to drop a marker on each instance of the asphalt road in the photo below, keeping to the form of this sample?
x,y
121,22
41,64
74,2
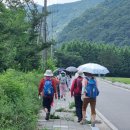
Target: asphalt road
x,y
114,104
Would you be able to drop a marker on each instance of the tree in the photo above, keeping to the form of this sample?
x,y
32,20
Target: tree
x,y
20,51
75,53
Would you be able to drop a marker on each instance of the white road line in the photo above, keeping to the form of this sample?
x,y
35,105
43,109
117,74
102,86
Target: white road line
x,y
106,121
42,120
60,126
94,128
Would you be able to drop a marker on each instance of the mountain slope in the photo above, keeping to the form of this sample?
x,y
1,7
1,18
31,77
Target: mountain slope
x,y
109,23
62,14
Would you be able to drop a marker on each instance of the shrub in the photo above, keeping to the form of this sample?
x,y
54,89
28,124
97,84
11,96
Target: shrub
x,y
71,105
19,103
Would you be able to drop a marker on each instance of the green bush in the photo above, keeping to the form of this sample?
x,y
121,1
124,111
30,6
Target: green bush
x,y
19,103
71,105
53,116
61,110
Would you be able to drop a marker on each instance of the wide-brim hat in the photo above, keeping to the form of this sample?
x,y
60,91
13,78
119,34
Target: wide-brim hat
x,y
80,73
48,73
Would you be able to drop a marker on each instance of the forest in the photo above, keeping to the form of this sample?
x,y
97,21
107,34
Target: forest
x,y
107,23
116,59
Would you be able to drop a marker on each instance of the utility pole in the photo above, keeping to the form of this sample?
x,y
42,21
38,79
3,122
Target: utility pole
x,y
44,27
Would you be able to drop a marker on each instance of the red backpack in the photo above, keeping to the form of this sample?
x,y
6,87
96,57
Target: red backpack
x,y
78,86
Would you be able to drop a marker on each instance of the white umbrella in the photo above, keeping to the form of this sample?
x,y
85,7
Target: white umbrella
x,y
93,68
71,69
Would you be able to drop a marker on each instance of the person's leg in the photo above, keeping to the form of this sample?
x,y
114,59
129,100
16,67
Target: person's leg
x,y
50,100
84,106
48,106
58,91
64,90
44,103
78,104
45,106
80,108
93,111
61,90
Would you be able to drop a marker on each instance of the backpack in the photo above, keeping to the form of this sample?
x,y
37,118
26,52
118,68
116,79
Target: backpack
x,y
48,89
63,80
91,89
78,86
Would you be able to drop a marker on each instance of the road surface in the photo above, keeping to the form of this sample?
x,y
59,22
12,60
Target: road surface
x,y
114,104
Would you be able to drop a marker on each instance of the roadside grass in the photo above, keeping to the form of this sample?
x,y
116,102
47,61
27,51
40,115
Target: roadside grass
x,y
118,79
61,110
19,103
71,105
53,116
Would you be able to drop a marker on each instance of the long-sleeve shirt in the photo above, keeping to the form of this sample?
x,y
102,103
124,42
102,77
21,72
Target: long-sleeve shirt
x,y
41,87
72,88
74,91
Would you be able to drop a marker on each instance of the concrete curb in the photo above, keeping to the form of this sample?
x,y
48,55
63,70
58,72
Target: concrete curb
x,y
117,84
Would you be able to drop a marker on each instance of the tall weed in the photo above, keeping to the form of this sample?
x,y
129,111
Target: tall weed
x,y
19,102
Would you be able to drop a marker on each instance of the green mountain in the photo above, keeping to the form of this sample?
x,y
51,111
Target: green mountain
x,y
62,14
109,22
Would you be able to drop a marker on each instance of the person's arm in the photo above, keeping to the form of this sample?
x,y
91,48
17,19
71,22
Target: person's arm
x,y
72,87
40,88
84,84
66,81
55,90
57,81
96,83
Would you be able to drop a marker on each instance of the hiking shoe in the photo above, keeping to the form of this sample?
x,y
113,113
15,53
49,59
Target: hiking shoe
x,y
93,123
79,120
82,122
88,122
47,116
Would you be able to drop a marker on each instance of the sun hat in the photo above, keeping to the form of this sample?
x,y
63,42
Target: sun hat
x,y
48,73
62,72
79,73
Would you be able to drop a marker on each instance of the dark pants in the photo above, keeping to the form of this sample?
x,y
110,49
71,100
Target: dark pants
x,y
78,105
47,103
58,90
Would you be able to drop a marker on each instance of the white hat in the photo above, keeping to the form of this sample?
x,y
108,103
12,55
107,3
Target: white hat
x,y
48,73
63,72
80,73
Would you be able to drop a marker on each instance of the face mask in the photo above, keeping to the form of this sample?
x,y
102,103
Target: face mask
x,y
63,75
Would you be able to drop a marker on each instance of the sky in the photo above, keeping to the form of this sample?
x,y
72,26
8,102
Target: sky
x,y
50,2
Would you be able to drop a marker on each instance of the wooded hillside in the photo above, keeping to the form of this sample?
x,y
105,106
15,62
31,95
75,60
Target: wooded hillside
x,y
107,23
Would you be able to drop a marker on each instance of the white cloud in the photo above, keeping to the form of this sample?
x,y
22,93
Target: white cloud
x,y
50,2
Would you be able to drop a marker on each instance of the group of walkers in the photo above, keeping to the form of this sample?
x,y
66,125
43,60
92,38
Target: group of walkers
x,y
83,88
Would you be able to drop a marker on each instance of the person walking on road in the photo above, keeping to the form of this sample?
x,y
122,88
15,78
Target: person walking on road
x,y
63,85
47,89
89,93
76,90
69,80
